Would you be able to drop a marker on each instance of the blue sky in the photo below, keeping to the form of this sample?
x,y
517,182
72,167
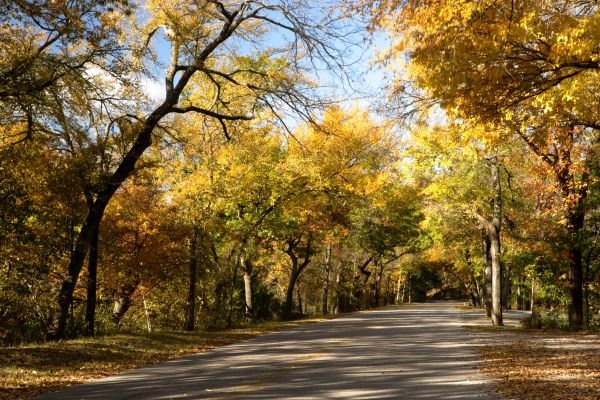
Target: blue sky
x,y
367,85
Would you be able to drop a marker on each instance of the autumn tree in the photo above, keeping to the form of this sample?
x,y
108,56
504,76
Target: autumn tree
x,y
527,67
198,37
47,47
463,184
38,194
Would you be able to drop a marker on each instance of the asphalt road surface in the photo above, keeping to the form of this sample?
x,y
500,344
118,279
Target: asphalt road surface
x,y
410,352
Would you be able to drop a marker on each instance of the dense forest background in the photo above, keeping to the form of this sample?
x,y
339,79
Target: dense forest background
x,y
194,165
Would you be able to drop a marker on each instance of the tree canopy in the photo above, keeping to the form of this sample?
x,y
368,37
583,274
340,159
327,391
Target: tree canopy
x,y
182,164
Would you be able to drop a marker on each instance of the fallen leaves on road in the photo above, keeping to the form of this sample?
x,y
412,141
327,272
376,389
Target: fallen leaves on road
x,y
542,365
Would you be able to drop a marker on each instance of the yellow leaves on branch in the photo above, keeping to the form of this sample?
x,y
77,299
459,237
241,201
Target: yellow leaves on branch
x,y
348,147
482,58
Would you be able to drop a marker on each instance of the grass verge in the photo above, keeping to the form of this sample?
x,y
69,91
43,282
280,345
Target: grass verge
x,y
32,369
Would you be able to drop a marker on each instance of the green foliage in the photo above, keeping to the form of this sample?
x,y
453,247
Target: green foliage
x,y
423,277
345,211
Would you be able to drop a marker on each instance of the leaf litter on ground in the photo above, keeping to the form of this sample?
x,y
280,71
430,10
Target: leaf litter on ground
x,y
32,369
539,364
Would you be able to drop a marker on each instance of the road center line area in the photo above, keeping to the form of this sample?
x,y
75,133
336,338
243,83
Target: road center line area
x,y
411,352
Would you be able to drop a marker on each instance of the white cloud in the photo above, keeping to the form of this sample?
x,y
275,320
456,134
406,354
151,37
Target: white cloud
x,y
153,89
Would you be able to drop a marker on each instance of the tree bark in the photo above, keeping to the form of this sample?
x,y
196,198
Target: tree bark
x,y
248,269
409,290
399,293
327,278
534,321
300,305
487,259
377,283
231,295
575,305
190,310
123,302
519,293
496,278
573,197
479,293
90,306
587,292
492,231
506,287
471,282
387,290
338,292
358,285
296,269
289,295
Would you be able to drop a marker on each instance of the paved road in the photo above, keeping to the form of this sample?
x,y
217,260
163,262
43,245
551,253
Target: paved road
x,y
411,352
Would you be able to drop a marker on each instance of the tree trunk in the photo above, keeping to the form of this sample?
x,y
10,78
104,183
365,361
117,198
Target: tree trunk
x,y
491,245
248,268
387,291
338,293
327,278
506,289
120,307
472,293
479,293
487,259
90,306
56,329
575,306
399,293
519,293
288,306
534,321
148,325
299,292
58,323
296,270
231,296
587,292
123,302
377,282
471,282
532,300
404,285
575,217
496,279
190,310
494,233
574,193
358,285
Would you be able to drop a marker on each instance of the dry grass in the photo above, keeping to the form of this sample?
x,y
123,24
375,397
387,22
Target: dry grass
x,y
531,364
33,369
